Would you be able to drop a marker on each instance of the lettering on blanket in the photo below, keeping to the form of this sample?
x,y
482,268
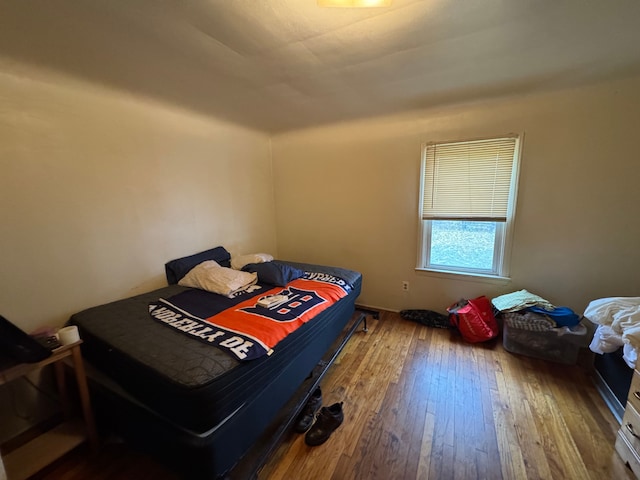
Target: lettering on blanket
x,y
238,345
327,278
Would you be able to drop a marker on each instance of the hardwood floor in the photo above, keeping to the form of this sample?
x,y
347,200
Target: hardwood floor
x,y
420,403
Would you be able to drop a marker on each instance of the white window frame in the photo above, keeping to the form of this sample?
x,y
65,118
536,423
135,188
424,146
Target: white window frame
x,y
504,230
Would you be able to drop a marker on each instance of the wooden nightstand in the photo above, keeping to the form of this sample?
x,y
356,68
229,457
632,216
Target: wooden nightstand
x,y
628,440
44,449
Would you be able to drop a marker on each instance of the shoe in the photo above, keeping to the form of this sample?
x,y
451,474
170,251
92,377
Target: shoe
x,y
327,421
308,414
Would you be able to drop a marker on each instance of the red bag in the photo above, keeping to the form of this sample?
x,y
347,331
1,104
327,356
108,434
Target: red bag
x,y
474,319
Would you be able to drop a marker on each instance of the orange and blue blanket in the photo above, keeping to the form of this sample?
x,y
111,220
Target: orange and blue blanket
x,y
239,325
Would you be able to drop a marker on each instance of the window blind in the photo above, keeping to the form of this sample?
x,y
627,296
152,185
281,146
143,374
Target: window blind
x,y
468,180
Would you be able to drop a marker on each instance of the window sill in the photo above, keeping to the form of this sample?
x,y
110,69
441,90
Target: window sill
x,y
464,276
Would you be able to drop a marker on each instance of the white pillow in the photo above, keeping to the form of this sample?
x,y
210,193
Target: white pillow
x,y
210,276
241,260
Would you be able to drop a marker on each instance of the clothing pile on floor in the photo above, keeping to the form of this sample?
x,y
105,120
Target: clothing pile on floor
x,y
427,317
527,311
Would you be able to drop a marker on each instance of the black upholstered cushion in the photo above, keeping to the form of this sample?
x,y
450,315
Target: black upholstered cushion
x,y
274,273
178,268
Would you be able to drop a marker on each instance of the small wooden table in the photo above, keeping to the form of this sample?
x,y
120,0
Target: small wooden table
x,y
44,449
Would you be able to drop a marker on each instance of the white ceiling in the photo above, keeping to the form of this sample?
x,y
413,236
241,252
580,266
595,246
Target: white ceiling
x,y
283,64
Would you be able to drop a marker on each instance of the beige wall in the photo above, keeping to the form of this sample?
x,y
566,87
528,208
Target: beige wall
x,y
348,194
99,189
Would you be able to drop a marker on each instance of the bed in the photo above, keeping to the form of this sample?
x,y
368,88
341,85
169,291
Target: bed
x,y
616,341
172,378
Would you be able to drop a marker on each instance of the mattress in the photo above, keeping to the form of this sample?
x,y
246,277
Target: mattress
x,y
192,385
236,448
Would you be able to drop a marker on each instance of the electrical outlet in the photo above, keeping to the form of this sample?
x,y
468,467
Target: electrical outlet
x,y
405,286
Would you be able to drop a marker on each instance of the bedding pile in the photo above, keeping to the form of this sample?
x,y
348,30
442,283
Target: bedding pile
x,y
618,325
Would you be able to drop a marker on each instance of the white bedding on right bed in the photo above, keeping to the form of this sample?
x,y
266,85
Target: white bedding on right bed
x,y
618,320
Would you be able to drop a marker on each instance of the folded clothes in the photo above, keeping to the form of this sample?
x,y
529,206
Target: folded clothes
x,y
512,302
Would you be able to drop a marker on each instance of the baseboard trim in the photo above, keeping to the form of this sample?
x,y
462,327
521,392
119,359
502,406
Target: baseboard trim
x,y
375,307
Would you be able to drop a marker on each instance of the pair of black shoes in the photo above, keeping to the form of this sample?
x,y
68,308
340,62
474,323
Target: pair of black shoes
x,y
327,419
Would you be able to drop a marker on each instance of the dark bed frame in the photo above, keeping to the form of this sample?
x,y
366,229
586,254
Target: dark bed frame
x,y
251,464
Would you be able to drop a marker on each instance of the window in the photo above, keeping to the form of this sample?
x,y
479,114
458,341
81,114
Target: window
x,y
468,192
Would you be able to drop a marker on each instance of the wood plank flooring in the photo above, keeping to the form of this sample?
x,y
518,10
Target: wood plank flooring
x,y
420,403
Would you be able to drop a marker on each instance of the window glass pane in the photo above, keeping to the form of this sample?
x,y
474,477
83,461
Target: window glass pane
x,y
465,244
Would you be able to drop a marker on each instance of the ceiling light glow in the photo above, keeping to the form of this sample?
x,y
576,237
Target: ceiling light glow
x,y
354,3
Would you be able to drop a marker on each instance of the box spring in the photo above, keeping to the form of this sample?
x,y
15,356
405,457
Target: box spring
x,y
613,378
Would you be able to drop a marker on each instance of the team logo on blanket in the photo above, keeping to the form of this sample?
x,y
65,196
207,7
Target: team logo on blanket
x,y
296,304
